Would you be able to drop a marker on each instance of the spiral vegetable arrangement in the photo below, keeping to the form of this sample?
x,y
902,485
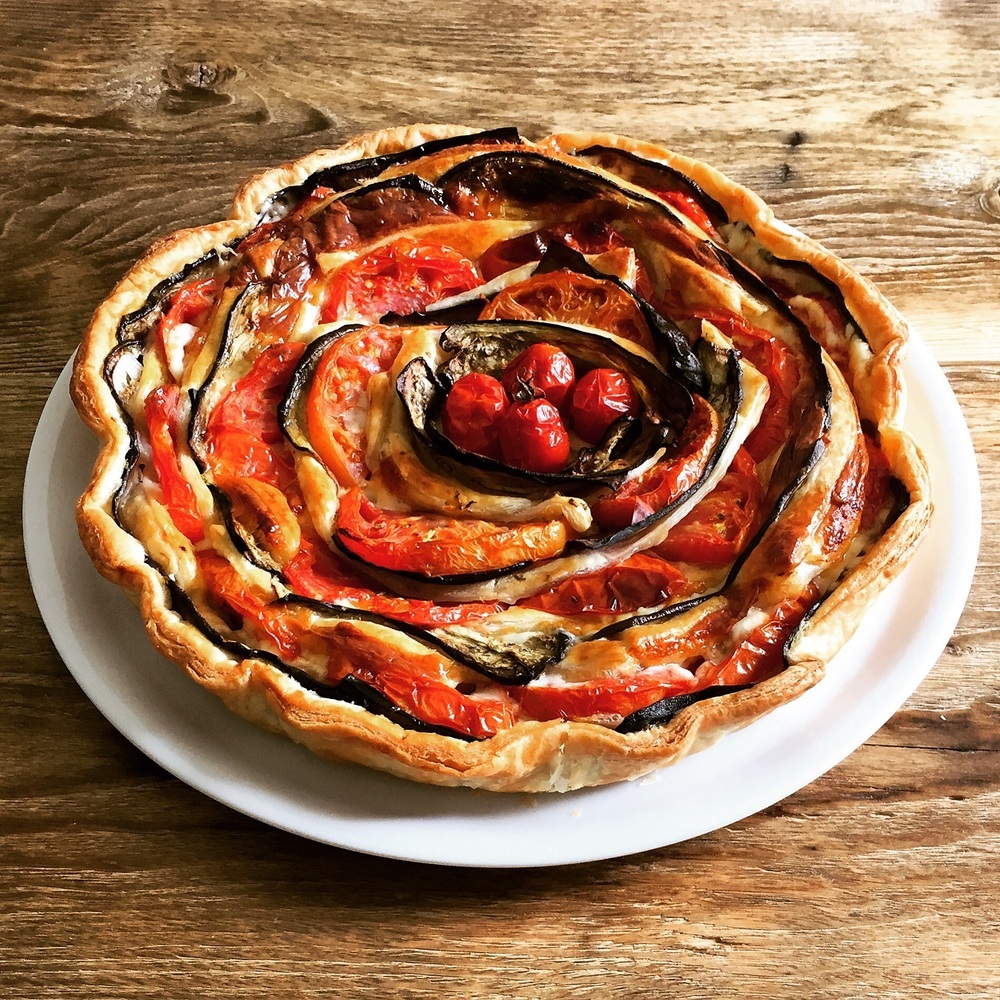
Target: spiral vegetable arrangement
x,y
490,462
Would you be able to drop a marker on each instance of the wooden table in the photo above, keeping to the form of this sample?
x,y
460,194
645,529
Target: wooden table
x,y
873,126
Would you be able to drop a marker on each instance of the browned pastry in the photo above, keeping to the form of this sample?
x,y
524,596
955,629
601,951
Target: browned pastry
x,y
517,465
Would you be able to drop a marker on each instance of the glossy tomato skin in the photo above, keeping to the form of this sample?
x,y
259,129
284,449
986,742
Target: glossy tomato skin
x,y
533,437
541,371
472,412
600,397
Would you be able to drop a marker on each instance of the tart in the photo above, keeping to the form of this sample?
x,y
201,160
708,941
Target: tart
x,y
518,465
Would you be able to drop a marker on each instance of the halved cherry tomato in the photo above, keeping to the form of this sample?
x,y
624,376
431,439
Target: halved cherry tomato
x,y
759,655
540,371
315,572
337,403
616,696
776,361
402,277
227,587
641,581
242,435
472,412
533,437
568,297
602,396
638,498
190,306
161,419
718,527
432,545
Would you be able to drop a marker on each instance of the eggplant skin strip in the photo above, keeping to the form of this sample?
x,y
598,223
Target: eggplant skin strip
x,y
499,178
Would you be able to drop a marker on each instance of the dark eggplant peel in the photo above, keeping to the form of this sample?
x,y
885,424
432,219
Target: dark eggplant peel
x,y
517,465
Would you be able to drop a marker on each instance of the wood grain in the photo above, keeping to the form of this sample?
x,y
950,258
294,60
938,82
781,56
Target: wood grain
x,y
871,127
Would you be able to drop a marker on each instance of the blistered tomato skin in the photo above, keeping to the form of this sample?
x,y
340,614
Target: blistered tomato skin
x,y
472,412
601,397
534,438
540,372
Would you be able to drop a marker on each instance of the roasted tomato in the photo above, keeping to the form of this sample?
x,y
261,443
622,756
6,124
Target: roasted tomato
x,y
189,308
719,526
643,496
541,371
533,437
606,696
641,581
433,545
568,297
472,412
161,418
243,439
337,404
601,397
688,206
402,277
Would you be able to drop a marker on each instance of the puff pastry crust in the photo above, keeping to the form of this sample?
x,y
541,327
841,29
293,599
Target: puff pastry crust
x,y
267,393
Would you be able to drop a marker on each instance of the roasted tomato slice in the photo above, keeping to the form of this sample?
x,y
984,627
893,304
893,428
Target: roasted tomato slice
x,y
641,581
337,404
687,205
432,545
242,436
605,696
314,572
643,496
402,277
594,237
774,359
161,418
568,297
180,324
719,526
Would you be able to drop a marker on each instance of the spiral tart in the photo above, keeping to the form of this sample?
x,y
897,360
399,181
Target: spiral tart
x,y
488,462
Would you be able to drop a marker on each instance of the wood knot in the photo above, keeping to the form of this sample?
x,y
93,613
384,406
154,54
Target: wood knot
x,y
989,200
196,85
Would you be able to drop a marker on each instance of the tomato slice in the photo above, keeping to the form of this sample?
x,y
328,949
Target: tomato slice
x,y
773,359
718,527
337,403
618,696
642,581
315,573
878,483
401,277
161,407
643,496
586,237
229,589
432,545
759,655
242,435
689,206
190,305
568,297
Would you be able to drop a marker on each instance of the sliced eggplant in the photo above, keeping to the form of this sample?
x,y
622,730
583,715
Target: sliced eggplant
x,y
661,712
122,371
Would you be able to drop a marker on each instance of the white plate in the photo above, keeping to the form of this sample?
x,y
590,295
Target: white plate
x,y
190,733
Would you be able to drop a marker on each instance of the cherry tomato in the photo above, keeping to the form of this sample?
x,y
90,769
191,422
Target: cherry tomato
x,y
641,581
638,498
432,545
338,398
601,397
472,413
718,527
178,494
568,297
533,438
541,371
402,277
